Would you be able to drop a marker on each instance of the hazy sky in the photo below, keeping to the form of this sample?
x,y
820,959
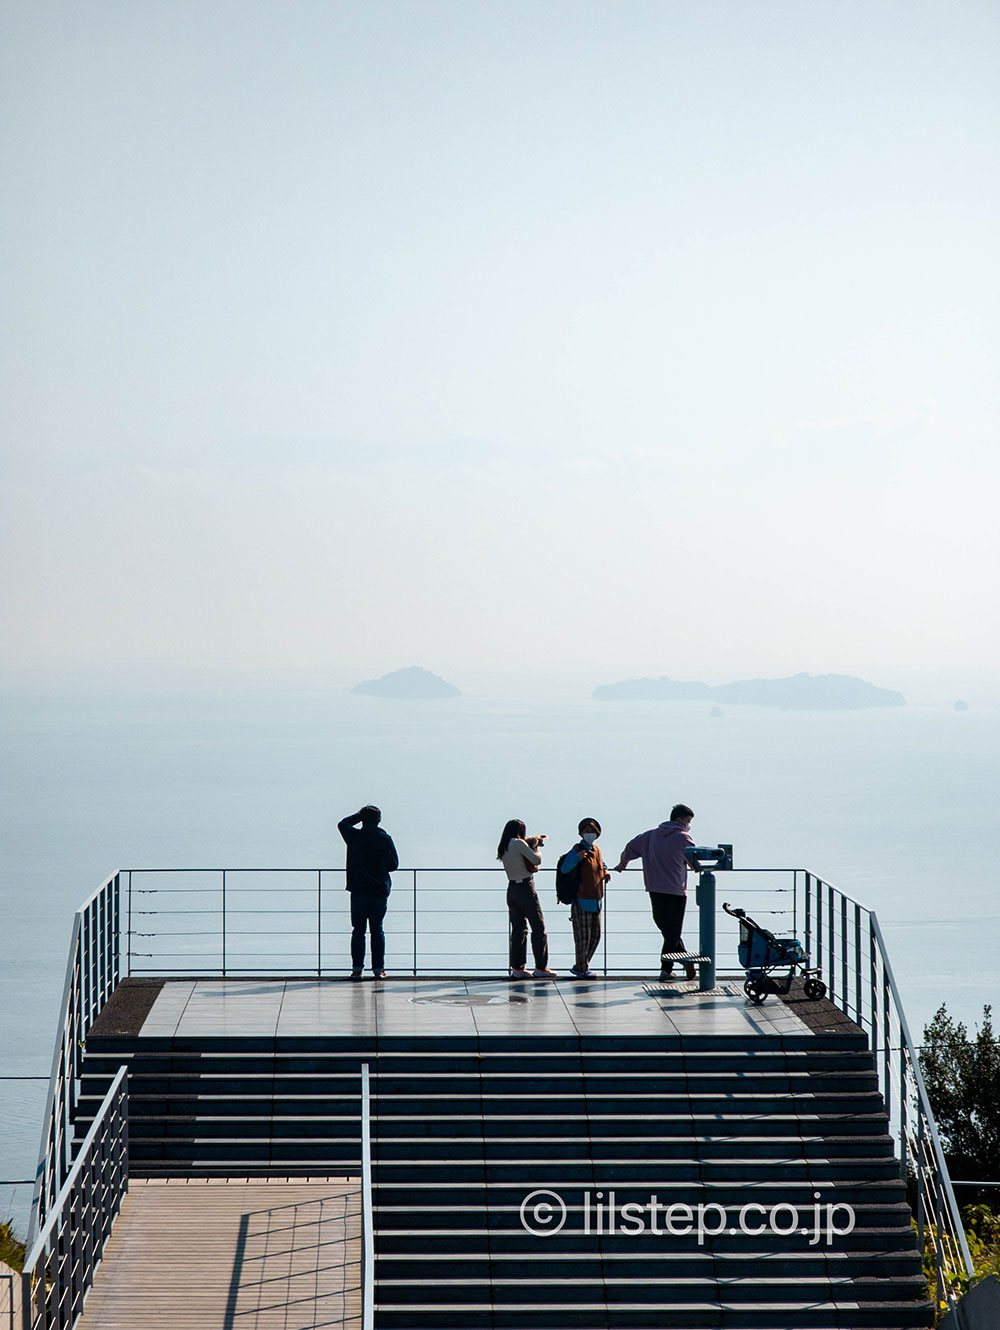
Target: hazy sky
x,y
647,337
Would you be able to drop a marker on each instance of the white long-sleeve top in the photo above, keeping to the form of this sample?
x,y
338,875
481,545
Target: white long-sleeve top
x,y
519,860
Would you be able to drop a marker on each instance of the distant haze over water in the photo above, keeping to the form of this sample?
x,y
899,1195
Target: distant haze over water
x,y
896,806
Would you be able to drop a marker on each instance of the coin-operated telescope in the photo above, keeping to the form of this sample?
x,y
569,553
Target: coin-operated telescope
x,y
708,860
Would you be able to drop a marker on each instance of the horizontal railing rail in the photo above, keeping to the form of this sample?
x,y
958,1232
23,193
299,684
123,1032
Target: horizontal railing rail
x,y
59,1267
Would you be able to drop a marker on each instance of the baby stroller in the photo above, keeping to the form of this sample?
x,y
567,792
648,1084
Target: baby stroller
x,y
761,952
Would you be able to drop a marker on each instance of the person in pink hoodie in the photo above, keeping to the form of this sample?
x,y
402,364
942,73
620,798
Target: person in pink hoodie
x,y
664,871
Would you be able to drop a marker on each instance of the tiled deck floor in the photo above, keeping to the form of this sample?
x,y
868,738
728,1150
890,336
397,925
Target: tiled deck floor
x,y
474,1007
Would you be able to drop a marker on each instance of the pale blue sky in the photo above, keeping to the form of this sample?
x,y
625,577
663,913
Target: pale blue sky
x,y
353,335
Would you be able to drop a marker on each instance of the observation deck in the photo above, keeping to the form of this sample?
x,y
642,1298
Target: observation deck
x,y
426,1111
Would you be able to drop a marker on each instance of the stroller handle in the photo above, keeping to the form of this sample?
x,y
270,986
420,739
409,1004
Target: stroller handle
x,y
734,910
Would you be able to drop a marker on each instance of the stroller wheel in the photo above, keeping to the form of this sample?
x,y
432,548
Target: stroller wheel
x,y
755,991
814,988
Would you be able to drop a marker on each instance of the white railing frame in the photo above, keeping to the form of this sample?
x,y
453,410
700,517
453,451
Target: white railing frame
x,y
60,1266
367,1208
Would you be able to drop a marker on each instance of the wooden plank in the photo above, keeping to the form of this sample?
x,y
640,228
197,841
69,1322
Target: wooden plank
x,y
226,1253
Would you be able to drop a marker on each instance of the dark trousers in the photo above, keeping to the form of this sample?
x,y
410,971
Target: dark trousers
x,y
523,908
367,913
668,915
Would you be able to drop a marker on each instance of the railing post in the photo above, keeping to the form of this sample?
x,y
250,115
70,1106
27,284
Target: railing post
x,y
116,954
128,944
831,941
223,923
809,917
873,991
414,923
319,922
367,1216
819,922
858,985
887,1046
604,933
939,1246
920,1183
845,991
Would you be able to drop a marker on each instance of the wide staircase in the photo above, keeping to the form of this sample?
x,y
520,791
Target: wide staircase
x,y
466,1129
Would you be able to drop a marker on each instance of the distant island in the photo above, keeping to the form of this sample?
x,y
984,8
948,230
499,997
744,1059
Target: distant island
x,y
799,692
414,681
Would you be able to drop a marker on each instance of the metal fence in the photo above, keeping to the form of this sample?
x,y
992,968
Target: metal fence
x,y
92,974
59,1267
253,921
844,938
440,921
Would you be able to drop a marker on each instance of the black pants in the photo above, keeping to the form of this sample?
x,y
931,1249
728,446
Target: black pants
x,y
367,913
668,915
523,908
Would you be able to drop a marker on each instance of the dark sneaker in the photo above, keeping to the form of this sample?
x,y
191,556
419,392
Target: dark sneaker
x,y
690,972
520,974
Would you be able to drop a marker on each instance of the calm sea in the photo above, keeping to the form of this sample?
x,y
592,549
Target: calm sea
x,y
897,807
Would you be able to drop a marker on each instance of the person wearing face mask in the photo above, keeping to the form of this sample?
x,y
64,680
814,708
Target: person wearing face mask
x,y
585,862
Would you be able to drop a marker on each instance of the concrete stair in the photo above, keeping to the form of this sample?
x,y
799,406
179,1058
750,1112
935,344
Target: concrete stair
x,y
465,1129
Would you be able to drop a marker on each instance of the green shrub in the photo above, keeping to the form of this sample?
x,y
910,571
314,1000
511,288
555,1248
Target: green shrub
x,y
12,1251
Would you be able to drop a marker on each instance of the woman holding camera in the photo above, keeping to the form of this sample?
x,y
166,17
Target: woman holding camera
x,y
523,907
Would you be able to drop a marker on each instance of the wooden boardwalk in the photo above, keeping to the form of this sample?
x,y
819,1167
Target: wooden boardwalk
x,y
231,1254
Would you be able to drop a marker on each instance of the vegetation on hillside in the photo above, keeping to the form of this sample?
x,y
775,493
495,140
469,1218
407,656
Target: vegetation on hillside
x,y
961,1076
12,1251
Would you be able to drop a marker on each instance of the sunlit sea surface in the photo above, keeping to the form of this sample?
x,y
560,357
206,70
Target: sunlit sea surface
x,y
897,807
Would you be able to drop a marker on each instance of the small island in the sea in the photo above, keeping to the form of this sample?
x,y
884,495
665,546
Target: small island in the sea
x,y
412,682
800,692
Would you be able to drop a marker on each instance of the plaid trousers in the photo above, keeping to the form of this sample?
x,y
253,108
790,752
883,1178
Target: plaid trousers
x,y
586,934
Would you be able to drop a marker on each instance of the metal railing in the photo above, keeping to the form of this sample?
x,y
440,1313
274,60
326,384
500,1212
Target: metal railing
x,y
440,921
92,974
454,921
367,1208
59,1267
844,938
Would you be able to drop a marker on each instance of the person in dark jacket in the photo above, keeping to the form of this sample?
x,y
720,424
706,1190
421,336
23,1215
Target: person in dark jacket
x,y
664,871
371,857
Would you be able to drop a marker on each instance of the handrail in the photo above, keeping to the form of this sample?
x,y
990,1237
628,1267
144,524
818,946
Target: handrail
x,y
92,973
231,921
367,1209
926,1116
845,939
59,1267
841,936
